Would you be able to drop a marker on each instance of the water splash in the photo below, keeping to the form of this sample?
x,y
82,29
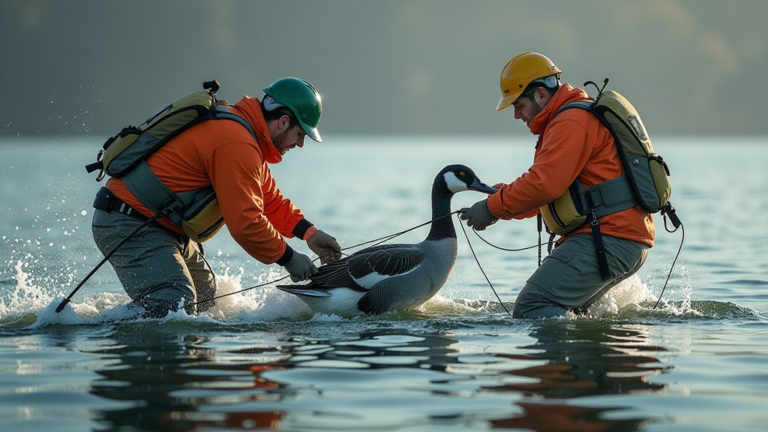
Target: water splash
x,y
265,303
629,292
26,296
28,305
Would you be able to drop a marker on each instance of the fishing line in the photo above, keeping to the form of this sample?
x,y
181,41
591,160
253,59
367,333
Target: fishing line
x,y
376,242
669,274
505,249
69,297
676,222
379,241
481,267
391,236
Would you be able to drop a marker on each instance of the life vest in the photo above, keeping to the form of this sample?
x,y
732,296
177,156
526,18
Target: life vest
x,y
124,155
645,183
646,180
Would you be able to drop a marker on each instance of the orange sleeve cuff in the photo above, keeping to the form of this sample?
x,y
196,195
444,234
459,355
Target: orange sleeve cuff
x,y
310,231
495,206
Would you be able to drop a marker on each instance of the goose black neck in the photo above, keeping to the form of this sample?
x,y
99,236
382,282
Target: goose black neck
x,y
442,224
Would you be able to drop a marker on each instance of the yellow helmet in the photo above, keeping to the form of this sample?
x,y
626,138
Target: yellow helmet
x,y
521,71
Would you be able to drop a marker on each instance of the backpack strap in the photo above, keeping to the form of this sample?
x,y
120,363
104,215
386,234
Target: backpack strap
x,y
224,112
583,104
602,259
602,199
610,196
156,196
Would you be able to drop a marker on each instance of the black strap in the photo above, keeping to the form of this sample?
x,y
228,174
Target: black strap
x,y
602,259
610,196
64,302
551,243
539,220
108,202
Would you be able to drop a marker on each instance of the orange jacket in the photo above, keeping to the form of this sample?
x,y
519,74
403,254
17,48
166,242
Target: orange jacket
x,y
223,154
575,145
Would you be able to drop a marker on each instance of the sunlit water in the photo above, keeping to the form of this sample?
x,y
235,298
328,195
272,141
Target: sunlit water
x,y
262,360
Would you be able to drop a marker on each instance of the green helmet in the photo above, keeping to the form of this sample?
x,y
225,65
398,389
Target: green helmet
x,y
302,99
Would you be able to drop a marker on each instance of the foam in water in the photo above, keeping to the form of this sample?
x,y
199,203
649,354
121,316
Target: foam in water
x,y
631,291
266,303
259,304
634,294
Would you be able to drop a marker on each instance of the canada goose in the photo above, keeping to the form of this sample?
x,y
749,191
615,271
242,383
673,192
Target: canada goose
x,y
397,276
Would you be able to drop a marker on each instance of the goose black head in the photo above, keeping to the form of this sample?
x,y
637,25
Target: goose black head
x,y
461,178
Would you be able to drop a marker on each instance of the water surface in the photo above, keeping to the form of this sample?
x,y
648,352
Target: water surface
x,y
261,360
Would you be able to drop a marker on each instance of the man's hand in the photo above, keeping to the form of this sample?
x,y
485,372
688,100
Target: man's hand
x,y
478,216
300,267
325,246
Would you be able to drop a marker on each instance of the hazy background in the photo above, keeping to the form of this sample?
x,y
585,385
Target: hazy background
x,y
421,66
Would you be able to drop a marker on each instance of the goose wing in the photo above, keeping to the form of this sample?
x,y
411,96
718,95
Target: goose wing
x,y
362,270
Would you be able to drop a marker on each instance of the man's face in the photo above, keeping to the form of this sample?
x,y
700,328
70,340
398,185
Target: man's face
x,y
526,107
287,137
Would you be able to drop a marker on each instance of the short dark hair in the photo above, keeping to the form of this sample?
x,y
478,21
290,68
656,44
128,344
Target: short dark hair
x,y
279,112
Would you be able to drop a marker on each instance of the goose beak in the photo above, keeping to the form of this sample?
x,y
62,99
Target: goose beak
x,y
479,186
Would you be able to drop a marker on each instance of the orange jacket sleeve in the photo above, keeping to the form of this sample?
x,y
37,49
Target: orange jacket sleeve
x,y
560,158
280,211
255,213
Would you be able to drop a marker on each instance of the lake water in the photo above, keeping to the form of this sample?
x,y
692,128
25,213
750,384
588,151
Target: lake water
x,y
261,360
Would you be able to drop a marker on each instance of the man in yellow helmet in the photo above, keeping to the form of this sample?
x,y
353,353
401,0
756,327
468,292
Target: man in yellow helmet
x,y
573,148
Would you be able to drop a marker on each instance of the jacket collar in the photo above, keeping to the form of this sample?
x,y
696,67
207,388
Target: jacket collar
x,y
564,95
250,109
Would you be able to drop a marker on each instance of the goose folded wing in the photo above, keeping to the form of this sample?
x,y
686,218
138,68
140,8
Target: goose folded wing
x,y
364,269
373,267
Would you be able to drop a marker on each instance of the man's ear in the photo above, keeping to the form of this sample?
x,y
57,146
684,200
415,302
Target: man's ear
x,y
543,95
284,122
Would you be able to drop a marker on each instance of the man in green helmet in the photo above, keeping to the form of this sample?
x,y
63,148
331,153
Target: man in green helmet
x,y
159,267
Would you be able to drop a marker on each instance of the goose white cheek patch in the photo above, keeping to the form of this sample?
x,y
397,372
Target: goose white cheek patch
x,y
453,183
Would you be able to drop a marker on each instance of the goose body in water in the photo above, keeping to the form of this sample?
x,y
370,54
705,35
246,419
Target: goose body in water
x,y
397,276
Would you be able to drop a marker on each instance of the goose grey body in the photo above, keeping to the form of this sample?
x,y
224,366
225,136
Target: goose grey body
x,y
394,277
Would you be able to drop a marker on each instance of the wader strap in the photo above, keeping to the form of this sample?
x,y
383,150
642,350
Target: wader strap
x,y
148,189
602,260
602,199
610,197
550,242
106,201
539,223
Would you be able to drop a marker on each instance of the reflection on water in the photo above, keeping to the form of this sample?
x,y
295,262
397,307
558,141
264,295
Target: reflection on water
x,y
150,365
586,357
581,358
381,379
460,364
